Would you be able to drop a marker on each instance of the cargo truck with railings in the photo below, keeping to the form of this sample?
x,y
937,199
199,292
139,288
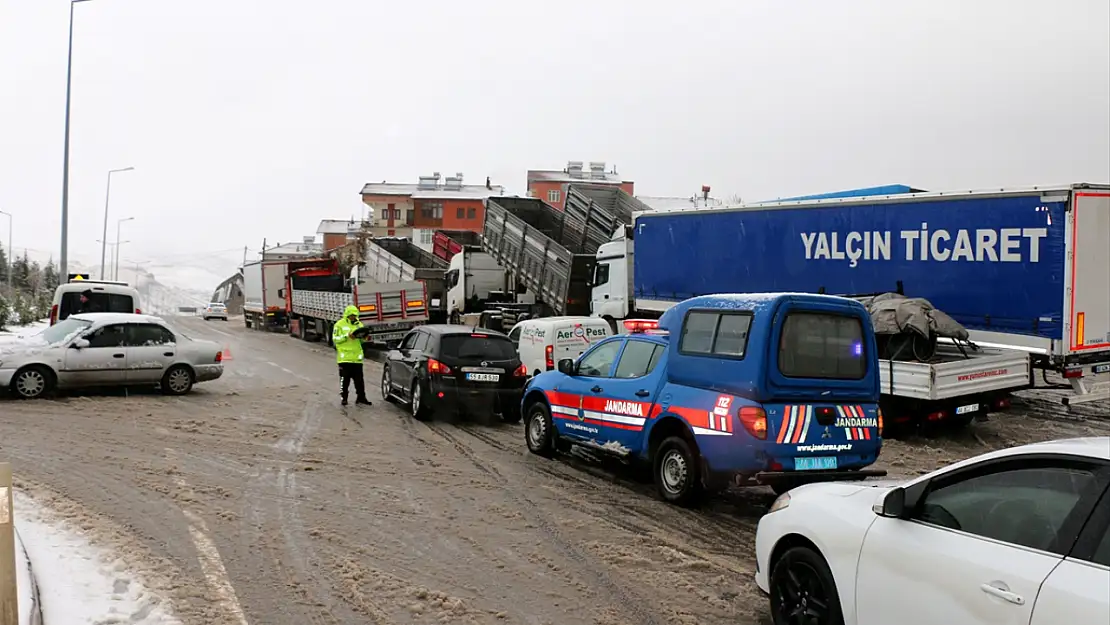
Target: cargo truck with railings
x,y
316,292
397,259
263,305
551,253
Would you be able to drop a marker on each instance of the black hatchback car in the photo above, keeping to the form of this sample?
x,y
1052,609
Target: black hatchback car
x,y
457,370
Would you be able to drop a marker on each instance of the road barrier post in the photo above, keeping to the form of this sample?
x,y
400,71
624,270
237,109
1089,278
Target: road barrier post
x,y
9,595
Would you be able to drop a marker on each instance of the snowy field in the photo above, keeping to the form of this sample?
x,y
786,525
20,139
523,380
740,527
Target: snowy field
x,y
78,583
27,330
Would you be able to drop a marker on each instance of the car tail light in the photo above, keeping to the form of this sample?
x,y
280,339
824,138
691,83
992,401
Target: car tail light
x,y
435,366
754,420
880,422
640,326
1002,403
219,356
549,357
937,416
521,371
138,311
53,314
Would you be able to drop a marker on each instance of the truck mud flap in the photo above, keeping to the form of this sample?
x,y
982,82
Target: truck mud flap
x,y
770,477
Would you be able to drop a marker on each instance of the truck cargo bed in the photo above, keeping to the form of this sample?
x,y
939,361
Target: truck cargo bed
x,y
951,374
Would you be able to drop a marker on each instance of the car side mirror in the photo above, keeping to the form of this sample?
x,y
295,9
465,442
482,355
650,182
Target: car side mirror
x,y
281,293
80,344
893,505
566,366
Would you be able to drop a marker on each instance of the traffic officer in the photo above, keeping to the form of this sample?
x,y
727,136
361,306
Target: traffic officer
x,y
349,356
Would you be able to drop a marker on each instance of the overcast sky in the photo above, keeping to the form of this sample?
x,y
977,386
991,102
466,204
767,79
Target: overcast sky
x,y
247,119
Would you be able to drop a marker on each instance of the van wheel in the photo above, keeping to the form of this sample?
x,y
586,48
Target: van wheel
x,y
676,472
178,380
539,431
32,382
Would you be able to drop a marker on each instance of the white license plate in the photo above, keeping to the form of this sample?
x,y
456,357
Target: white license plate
x,y
968,408
815,464
1102,368
483,377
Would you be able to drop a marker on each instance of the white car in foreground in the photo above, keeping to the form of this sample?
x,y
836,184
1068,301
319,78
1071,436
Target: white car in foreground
x,y
107,349
1017,536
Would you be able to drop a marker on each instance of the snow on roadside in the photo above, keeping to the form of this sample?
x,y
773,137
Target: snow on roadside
x,y
23,584
28,330
80,584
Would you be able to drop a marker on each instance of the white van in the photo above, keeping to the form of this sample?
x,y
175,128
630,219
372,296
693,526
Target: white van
x,y
103,295
543,342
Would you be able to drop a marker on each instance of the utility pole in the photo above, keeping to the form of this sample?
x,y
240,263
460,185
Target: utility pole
x,y
244,256
104,237
11,261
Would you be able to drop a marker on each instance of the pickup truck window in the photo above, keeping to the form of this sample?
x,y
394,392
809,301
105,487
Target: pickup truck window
x,y
713,333
601,274
638,359
599,362
822,346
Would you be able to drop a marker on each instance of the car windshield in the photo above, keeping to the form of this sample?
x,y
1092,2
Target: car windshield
x,y
64,330
477,346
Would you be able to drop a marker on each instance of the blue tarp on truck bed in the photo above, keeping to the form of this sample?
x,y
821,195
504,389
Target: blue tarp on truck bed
x,y
992,263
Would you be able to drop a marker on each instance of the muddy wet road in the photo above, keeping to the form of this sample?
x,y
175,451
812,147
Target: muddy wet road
x,y
258,499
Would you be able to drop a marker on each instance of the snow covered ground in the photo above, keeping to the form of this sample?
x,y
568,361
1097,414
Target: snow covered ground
x,y
27,330
78,583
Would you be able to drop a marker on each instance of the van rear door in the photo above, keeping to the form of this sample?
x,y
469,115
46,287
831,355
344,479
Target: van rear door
x,y
573,338
822,378
1089,305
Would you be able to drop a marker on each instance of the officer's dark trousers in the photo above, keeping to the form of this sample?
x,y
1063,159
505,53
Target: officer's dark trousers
x,y
349,371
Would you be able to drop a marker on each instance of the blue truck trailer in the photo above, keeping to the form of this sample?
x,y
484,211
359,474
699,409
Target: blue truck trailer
x,y
1028,268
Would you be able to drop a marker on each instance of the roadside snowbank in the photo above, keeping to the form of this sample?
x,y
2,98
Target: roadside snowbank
x,y
27,330
23,584
80,584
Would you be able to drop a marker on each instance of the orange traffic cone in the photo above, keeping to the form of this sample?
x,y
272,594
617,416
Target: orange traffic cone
x,y
226,354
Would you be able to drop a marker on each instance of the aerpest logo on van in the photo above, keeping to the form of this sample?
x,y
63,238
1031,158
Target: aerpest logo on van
x,y
580,333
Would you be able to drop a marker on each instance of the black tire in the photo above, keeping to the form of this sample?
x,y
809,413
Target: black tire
x,y
676,471
417,404
802,583
387,388
178,380
33,382
539,431
612,324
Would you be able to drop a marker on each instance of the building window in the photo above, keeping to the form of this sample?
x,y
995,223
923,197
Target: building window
x,y
460,212
431,210
471,213
426,237
553,196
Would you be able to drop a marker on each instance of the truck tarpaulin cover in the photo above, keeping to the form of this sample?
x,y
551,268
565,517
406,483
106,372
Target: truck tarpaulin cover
x,y
992,263
892,313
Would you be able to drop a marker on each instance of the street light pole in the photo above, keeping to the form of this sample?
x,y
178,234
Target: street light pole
x,y
104,237
115,269
64,268
11,263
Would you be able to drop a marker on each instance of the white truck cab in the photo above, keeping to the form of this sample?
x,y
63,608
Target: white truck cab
x,y
471,275
545,341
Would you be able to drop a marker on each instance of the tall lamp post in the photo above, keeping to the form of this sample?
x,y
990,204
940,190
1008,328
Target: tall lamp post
x,y
104,237
115,268
64,268
11,263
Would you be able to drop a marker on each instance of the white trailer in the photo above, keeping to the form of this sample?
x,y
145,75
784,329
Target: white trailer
x,y
263,303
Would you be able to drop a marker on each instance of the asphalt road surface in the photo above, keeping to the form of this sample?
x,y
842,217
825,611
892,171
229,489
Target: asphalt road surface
x,y
259,499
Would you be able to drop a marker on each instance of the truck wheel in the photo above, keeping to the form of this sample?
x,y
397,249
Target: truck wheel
x,y
420,410
539,431
676,472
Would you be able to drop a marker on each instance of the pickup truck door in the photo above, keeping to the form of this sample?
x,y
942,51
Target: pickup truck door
x,y
620,405
592,371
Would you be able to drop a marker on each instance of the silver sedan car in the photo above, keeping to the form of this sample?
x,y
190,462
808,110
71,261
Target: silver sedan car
x,y
107,349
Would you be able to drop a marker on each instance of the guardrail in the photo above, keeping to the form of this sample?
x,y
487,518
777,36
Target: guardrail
x,y
9,596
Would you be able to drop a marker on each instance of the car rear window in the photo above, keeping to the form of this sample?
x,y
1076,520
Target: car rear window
x,y
823,346
100,302
473,346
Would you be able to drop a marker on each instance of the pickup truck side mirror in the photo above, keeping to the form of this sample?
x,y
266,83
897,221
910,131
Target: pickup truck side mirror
x,y
80,344
566,366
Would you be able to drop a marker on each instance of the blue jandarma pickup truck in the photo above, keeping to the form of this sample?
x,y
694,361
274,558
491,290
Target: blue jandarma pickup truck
x,y
777,389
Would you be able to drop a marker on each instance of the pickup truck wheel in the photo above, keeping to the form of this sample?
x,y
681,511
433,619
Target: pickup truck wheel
x,y
676,472
420,410
803,590
539,431
32,382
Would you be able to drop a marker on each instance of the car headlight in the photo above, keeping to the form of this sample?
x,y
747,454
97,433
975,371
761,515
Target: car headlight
x,y
781,503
